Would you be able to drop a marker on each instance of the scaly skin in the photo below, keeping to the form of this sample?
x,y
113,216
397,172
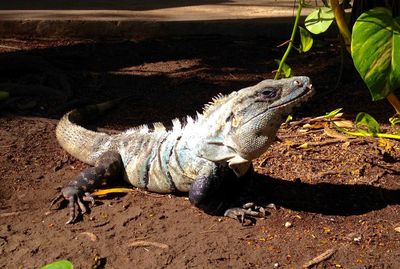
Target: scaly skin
x,y
198,157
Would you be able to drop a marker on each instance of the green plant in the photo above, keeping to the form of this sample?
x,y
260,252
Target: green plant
x,y
374,45
366,126
62,264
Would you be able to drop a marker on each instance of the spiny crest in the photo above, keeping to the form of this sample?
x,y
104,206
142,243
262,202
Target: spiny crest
x,y
216,101
141,129
159,126
176,125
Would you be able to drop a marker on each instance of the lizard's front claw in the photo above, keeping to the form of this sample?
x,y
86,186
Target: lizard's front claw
x,y
74,196
247,211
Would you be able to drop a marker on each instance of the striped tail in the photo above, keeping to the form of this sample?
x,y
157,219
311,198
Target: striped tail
x,y
83,144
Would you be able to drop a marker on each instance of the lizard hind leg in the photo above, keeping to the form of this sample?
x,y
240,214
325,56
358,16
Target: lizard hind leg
x,y
107,166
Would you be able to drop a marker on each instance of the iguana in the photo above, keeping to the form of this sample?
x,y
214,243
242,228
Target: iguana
x,y
196,157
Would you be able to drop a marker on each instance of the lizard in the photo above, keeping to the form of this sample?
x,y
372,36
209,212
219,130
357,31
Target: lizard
x,y
198,157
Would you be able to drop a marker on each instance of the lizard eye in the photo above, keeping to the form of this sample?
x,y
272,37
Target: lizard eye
x,y
268,93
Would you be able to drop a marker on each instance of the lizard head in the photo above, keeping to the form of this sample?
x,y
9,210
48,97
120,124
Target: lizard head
x,y
250,118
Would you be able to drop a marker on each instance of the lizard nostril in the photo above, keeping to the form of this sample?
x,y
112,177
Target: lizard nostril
x,y
298,83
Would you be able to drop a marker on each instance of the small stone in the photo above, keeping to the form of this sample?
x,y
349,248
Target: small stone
x,y
288,224
397,229
276,265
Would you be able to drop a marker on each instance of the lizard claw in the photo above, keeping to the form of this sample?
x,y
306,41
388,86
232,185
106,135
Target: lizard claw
x,y
247,211
75,197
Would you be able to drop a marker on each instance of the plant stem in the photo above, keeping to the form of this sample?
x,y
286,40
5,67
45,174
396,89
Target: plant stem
x,y
394,102
341,23
289,47
365,134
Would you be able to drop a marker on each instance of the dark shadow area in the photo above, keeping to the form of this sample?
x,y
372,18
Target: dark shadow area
x,y
165,78
164,75
323,198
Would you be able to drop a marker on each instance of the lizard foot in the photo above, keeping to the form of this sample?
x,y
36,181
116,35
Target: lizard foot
x,y
247,211
75,198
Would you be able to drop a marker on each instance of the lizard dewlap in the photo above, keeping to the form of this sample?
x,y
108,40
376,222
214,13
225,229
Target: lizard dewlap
x,y
197,157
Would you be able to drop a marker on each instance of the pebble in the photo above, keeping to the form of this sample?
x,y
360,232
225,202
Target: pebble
x,y
288,224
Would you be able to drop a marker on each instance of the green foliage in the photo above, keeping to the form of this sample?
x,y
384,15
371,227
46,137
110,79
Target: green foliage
x,y
289,119
306,40
62,264
395,123
366,125
365,120
319,20
332,114
4,95
375,50
286,69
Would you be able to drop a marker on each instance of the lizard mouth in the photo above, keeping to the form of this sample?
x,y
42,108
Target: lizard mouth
x,y
298,96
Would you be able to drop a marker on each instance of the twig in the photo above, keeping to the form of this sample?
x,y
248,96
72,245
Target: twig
x,y
320,258
143,243
320,143
9,47
9,214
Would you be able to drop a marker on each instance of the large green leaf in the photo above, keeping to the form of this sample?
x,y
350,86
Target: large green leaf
x,y
319,20
375,48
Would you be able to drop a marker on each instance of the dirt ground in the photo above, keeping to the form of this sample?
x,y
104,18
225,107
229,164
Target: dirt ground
x,y
338,198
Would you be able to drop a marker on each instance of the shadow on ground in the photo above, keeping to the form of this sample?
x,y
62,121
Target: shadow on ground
x,y
324,198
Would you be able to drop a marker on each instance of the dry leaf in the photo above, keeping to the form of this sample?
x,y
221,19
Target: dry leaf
x,y
314,126
91,236
143,243
333,133
288,143
344,123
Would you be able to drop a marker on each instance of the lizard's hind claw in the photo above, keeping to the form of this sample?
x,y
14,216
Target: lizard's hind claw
x,y
74,196
247,211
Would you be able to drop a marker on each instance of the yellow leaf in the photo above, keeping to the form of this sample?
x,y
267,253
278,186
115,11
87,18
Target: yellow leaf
x,y
303,146
289,143
111,190
385,144
327,230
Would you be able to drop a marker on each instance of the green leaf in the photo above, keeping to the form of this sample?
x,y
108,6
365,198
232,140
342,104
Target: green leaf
x,y
375,48
4,95
287,70
394,120
365,120
63,264
289,119
306,40
319,20
333,113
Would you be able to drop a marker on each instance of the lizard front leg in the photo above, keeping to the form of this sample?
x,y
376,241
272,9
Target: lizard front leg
x,y
217,192
108,165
